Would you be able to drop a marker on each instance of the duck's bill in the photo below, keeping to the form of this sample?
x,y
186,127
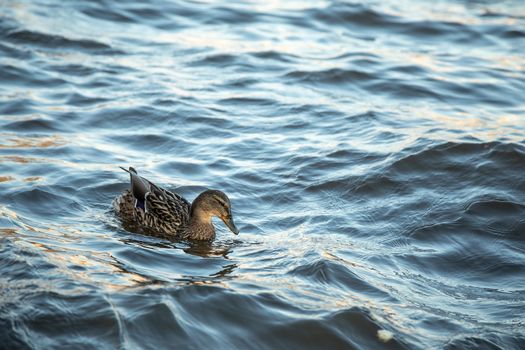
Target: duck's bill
x,y
231,225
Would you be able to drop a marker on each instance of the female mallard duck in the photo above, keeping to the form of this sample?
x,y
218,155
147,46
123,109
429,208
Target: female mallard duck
x,y
161,211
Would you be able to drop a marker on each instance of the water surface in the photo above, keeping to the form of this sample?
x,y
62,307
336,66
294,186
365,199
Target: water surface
x,y
374,154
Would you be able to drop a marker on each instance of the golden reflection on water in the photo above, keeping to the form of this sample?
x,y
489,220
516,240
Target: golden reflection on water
x,y
20,159
8,231
91,267
27,160
62,248
6,178
57,244
515,64
9,140
9,178
33,179
505,126
8,213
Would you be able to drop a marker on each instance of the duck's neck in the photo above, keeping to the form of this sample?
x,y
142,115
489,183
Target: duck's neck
x,y
200,227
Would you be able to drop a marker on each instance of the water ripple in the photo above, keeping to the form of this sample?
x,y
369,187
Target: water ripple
x,y
374,155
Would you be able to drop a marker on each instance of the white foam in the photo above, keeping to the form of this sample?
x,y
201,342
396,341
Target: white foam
x,y
384,335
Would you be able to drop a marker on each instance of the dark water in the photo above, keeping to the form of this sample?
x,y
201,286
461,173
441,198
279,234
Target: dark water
x,y
374,154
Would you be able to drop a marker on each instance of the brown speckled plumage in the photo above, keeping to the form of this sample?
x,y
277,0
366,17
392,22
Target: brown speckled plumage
x,y
166,213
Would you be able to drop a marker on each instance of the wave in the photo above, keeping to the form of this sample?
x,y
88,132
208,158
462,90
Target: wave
x,y
54,41
373,154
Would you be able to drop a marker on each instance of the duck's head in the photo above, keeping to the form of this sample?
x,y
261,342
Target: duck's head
x,y
212,203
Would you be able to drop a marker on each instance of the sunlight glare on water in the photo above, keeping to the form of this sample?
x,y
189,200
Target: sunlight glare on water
x,y
373,153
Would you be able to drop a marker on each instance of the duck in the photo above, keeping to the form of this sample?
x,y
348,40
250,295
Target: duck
x,y
161,212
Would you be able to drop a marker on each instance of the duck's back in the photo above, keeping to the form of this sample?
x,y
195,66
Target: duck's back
x,y
152,208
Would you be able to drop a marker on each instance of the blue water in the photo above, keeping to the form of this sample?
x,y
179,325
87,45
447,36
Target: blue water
x,y
374,154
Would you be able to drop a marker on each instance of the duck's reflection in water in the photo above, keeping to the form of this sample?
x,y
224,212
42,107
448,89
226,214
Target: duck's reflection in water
x,y
208,262
208,249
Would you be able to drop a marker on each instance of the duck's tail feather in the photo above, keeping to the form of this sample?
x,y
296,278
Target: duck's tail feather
x,y
139,187
131,170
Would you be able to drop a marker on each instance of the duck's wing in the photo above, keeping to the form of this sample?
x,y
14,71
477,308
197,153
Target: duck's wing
x,y
167,211
168,207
